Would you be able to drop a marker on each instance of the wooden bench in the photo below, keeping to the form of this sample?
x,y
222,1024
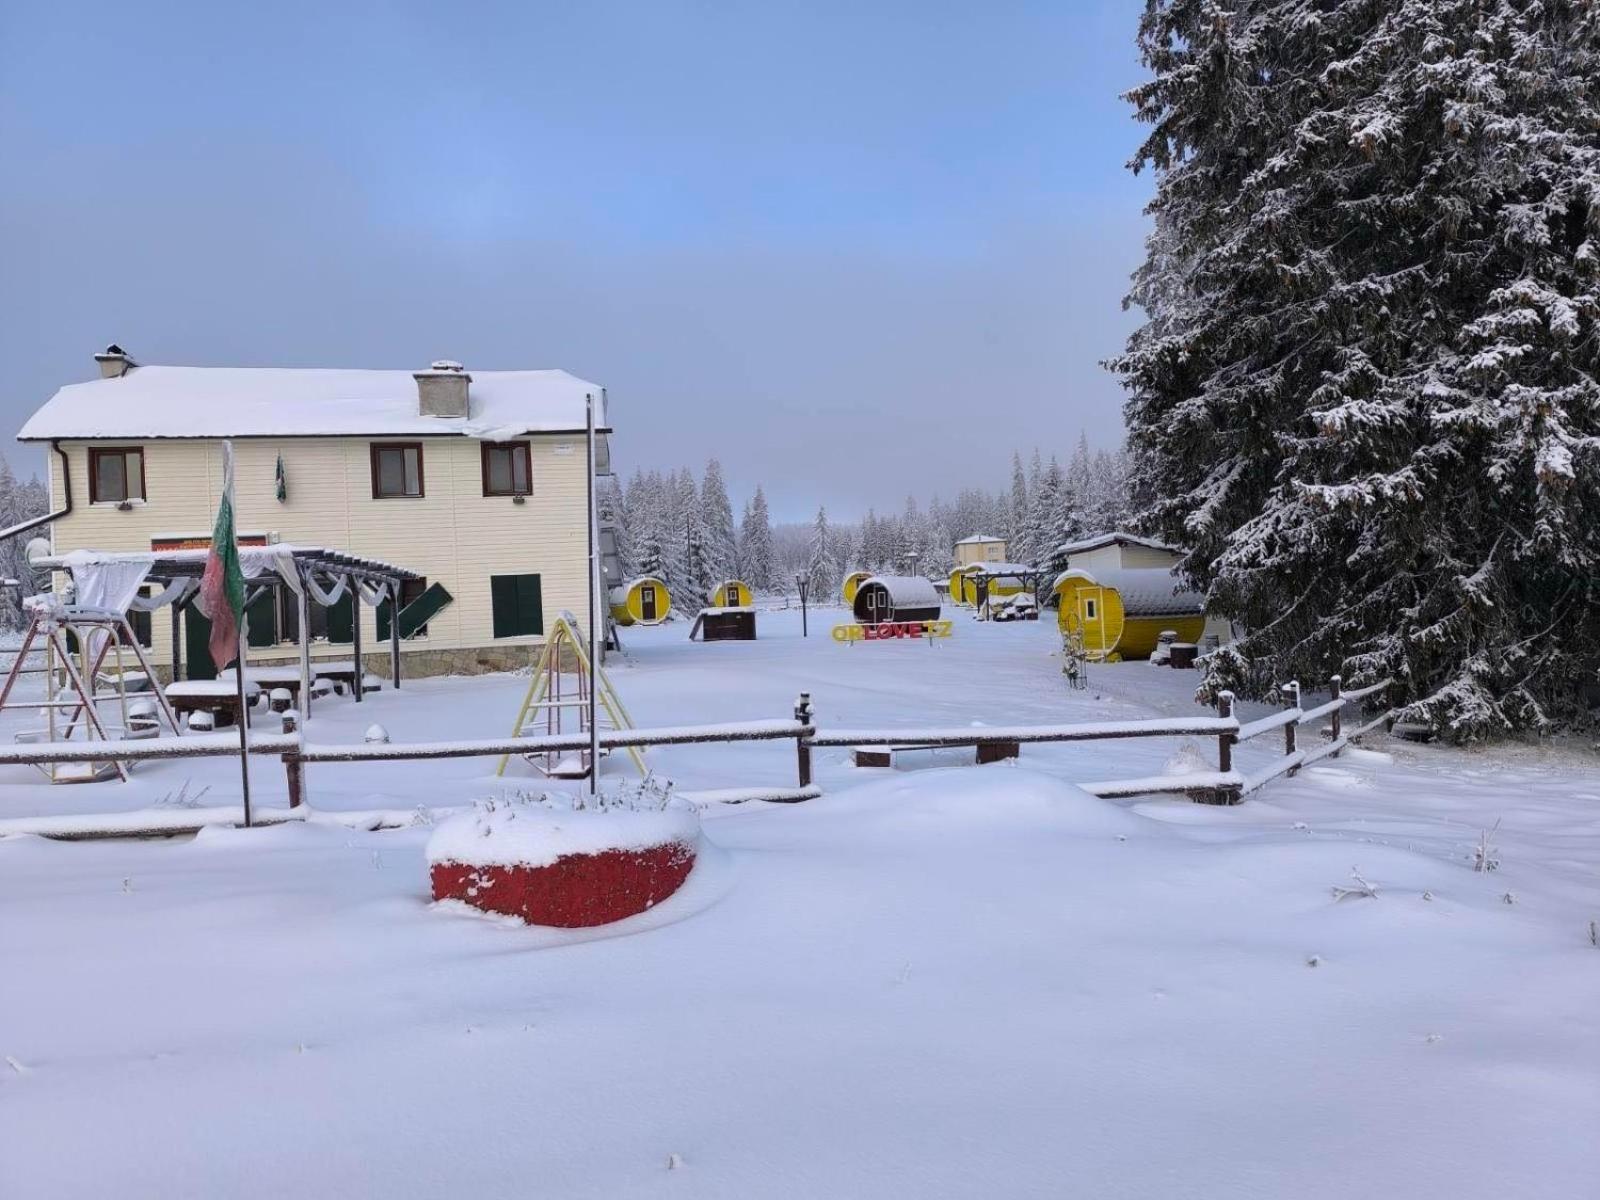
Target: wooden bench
x,y
883,756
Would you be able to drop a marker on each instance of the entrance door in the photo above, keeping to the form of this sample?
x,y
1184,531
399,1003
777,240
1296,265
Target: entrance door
x,y
879,606
647,602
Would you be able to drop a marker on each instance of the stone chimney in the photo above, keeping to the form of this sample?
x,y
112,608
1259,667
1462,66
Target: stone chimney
x,y
114,362
442,389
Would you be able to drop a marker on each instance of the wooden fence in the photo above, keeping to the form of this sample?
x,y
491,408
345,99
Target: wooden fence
x,y
1225,785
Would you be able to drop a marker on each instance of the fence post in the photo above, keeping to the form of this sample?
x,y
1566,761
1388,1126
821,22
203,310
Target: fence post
x,y
293,767
1336,726
1228,793
1291,729
802,714
1225,740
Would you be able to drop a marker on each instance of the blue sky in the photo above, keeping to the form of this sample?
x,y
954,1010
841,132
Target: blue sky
x,y
852,250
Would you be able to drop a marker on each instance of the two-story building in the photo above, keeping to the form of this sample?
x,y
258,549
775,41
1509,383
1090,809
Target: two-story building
x,y
475,480
980,548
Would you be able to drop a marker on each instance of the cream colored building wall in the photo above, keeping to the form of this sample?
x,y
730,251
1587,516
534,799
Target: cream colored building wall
x,y
977,552
453,534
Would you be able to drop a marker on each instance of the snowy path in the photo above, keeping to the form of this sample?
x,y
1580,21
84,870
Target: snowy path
x,y
952,983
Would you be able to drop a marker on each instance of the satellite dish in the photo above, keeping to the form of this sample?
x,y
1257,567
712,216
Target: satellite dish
x,y
38,548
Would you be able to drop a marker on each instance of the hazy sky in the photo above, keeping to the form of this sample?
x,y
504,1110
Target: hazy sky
x,y
853,250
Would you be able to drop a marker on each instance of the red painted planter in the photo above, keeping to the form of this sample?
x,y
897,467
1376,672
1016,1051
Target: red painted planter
x,y
576,890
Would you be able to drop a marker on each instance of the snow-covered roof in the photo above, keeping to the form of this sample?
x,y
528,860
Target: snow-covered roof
x,y
1144,591
1000,568
976,538
907,591
1115,538
215,402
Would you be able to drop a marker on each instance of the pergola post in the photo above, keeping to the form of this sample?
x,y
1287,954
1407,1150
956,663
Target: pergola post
x,y
304,600
177,641
352,588
394,632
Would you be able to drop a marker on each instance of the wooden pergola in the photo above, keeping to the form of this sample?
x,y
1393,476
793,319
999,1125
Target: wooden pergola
x,y
170,567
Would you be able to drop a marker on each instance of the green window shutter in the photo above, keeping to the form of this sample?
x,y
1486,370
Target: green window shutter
x,y
263,617
530,604
503,601
423,609
518,605
340,616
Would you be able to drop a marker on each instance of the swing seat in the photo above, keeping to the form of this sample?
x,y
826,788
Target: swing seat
x,y
71,772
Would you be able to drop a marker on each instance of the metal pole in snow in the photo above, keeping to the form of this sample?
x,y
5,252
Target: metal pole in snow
x,y
594,610
244,736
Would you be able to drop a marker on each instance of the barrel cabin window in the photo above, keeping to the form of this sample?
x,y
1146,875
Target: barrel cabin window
x,y
507,469
396,470
1089,608
116,474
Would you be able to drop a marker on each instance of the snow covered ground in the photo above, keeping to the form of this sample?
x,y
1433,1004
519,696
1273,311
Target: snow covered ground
x,y
942,981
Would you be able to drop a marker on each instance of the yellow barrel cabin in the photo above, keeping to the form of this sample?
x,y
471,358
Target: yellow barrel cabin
x,y
853,581
731,593
642,601
962,588
1120,614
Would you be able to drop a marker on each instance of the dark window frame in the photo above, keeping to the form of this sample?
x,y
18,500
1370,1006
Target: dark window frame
x,y
375,449
96,453
527,454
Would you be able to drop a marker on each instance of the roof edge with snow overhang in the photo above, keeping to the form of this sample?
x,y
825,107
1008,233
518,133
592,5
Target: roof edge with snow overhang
x,y
151,403
1115,538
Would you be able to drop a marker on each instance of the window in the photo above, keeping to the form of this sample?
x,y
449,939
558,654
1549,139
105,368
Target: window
x,y
1088,609
518,605
396,470
116,473
992,553
410,592
507,469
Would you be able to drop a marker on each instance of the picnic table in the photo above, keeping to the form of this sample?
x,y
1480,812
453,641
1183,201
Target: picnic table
x,y
342,675
219,697
269,677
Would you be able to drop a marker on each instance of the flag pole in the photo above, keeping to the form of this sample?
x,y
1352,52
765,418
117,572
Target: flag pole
x,y
594,610
242,721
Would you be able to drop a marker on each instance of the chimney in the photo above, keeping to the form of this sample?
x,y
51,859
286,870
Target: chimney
x,y
114,362
442,389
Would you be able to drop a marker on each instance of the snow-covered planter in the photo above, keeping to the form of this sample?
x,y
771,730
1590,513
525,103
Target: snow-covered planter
x,y
564,860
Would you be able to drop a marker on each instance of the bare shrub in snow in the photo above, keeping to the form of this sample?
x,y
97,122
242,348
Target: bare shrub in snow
x,y
1362,889
1485,856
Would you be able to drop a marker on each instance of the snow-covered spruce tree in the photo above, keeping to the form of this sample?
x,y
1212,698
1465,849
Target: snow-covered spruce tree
x,y
755,544
1014,528
18,503
716,513
1366,395
614,505
823,567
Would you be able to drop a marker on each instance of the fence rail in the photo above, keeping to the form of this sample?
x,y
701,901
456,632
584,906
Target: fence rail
x,y
1225,785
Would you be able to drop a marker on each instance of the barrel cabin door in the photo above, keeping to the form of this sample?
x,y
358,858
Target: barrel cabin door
x,y
647,602
880,607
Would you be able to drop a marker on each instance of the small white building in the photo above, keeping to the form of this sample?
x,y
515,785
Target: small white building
x,y
1118,551
475,480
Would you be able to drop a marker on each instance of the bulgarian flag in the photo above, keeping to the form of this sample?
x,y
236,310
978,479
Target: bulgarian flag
x,y
221,596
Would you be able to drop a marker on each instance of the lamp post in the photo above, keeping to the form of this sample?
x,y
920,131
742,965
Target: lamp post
x,y
804,584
